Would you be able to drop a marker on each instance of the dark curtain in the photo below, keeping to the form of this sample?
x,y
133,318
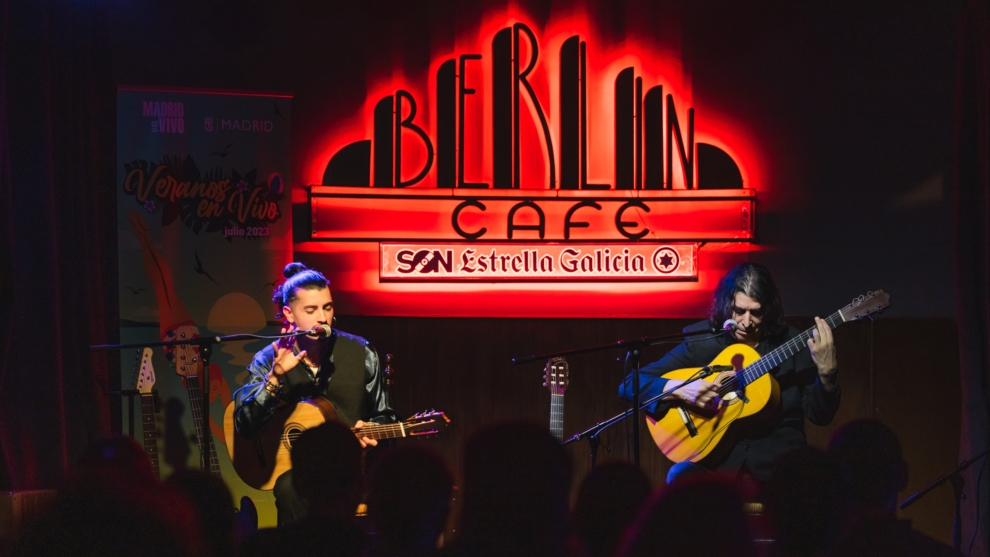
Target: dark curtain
x,y
58,260
972,221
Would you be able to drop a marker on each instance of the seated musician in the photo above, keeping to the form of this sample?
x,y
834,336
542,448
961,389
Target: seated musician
x,y
341,367
808,381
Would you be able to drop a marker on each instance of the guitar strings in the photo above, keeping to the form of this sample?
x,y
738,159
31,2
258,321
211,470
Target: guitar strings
x,y
378,432
758,368
754,371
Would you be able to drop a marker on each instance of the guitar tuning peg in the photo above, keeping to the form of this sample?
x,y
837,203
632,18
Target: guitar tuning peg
x,y
183,368
388,372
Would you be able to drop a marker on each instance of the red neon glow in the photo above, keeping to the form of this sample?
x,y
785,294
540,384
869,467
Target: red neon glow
x,y
349,222
354,268
534,262
656,67
429,214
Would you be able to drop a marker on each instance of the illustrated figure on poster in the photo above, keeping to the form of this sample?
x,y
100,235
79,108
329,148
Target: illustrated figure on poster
x,y
341,368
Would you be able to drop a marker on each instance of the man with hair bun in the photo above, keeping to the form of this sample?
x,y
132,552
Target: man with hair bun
x,y
809,381
341,367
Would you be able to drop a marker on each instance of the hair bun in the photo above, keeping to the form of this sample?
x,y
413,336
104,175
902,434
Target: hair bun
x,y
293,268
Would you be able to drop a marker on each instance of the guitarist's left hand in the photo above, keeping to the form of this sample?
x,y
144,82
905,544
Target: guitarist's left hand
x,y
365,441
822,348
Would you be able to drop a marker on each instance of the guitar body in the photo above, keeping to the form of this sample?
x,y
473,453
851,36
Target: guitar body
x,y
672,435
275,440
289,421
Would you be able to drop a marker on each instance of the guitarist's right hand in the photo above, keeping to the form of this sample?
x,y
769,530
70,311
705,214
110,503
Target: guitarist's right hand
x,y
700,394
284,357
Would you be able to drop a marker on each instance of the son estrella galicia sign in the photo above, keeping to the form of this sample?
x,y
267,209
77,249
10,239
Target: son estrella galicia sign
x,y
489,170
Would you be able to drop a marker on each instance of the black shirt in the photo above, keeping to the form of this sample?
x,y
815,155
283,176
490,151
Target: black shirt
x,y
763,442
349,376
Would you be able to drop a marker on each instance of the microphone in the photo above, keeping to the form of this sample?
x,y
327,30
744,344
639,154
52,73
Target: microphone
x,y
319,330
730,325
323,330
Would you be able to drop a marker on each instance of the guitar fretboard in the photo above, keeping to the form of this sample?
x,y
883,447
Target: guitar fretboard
x,y
775,357
557,416
203,435
402,429
149,434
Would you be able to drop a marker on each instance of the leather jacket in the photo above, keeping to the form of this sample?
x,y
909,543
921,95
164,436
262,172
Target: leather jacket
x,y
349,376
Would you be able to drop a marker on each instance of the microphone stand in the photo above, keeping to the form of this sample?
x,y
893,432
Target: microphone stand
x,y
205,345
955,478
632,347
592,432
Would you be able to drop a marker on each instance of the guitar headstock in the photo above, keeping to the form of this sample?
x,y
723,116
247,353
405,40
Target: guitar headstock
x,y
146,375
426,423
866,305
556,375
185,357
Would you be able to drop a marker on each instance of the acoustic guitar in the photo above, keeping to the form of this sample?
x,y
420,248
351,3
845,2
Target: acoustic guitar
x,y
556,377
189,366
259,461
749,392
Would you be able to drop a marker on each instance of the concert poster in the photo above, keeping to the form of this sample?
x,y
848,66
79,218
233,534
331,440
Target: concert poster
x,y
204,227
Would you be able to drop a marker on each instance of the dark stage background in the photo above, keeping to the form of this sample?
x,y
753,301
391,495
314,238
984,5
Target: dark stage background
x,y
868,117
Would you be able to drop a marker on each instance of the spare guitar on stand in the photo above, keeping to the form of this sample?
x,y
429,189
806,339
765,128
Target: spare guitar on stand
x,y
189,365
149,433
555,377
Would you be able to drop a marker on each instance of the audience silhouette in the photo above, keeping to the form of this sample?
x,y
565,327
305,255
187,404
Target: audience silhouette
x,y
516,483
213,509
409,502
871,453
607,503
113,506
517,478
699,516
807,498
326,473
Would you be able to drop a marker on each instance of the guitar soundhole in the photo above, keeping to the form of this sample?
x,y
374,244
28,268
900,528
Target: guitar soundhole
x,y
727,386
290,434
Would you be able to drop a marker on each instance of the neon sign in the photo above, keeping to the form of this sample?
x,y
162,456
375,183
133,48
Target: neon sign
x,y
528,261
522,166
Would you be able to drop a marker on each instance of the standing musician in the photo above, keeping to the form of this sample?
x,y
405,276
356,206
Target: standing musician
x,y
809,381
341,367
